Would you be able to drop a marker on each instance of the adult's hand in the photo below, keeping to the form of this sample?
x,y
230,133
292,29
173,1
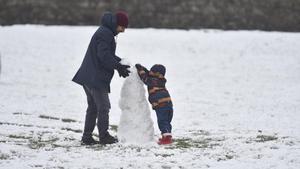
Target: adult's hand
x,y
123,70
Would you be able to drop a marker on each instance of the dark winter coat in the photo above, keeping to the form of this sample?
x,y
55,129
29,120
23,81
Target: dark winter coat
x,y
158,94
97,68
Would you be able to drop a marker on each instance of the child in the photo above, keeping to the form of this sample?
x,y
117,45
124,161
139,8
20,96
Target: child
x,y
159,97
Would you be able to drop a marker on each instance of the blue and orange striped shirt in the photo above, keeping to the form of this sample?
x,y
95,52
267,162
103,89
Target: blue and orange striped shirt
x,y
155,82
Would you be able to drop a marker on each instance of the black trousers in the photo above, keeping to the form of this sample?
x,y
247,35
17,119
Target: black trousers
x,y
98,108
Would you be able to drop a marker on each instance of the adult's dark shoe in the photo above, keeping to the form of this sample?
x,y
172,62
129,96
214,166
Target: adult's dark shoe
x,y
88,141
108,139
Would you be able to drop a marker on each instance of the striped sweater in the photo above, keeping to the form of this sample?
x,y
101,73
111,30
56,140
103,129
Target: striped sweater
x,y
155,81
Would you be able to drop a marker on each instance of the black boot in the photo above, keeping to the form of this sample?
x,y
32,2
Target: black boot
x,y
108,139
88,141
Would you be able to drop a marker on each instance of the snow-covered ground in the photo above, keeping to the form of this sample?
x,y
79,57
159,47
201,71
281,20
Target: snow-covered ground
x,y
236,99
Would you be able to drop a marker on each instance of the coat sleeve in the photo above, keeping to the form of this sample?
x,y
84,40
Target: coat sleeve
x,y
144,74
104,54
118,58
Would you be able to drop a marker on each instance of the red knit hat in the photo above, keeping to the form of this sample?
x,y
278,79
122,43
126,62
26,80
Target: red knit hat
x,y
122,19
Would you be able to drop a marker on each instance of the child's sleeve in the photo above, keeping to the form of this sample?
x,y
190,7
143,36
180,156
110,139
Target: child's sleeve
x,y
142,72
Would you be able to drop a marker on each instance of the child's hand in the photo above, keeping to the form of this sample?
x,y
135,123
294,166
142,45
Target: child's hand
x,y
138,66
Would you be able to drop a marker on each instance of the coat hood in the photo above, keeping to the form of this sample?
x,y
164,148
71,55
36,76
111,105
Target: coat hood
x,y
109,21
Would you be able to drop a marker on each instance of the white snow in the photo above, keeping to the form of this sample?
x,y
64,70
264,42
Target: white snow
x,y
236,99
0,65
136,125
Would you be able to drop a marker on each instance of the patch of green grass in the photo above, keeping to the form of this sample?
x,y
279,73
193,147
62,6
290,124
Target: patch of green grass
x,y
48,117
166,167
68,120
202,144
185,143
4,156
69,139
20,113
163,155
17,113
200,132
229,157
226,157
265,138
290,143
73,130
39,143
55,145
38,166
16,124
35,144
19,137
96,147
52,140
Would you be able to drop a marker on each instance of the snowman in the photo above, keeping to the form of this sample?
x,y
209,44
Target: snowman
x,y
136,125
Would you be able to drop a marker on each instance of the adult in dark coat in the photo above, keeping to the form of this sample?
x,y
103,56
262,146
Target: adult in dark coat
x,y
95,75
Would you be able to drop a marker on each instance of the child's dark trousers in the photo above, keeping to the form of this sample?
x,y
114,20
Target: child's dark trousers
x,y
164,118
